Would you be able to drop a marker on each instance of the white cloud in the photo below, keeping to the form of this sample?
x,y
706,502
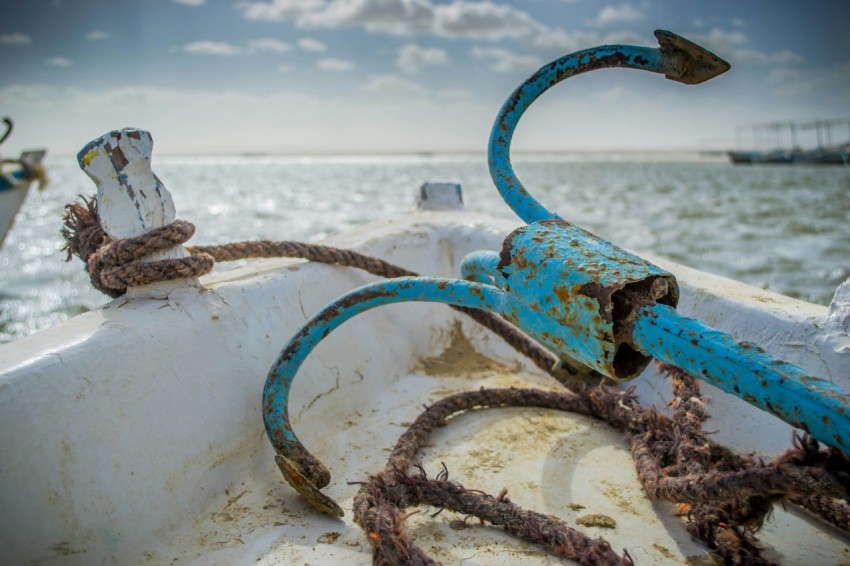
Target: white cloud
x,y
310,44
733,46
269,45
217,48
453,93
721,42
617,92
393,84
98,35
739,23
398,17
781,57
193,3
225,49
483,20
334,65
278,10
616,15
506,61
59,62
559,42
831,81
412,57
15,39
456,19
460,18
188,120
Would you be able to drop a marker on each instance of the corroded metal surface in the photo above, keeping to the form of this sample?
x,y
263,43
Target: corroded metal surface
x,y
301,469
746,371
568,288
676,58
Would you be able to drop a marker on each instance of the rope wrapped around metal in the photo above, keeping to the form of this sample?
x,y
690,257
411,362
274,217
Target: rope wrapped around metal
x,y
115,266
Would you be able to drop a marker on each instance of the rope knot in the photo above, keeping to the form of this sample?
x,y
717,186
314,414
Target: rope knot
x,y
114,266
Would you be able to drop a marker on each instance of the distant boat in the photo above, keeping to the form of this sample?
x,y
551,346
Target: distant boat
x,y
826,151
16,176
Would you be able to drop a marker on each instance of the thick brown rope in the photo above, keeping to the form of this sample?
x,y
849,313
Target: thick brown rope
x,y
380,503
725,526
115,266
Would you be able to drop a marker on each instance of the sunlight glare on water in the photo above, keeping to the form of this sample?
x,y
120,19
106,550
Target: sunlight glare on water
x,y
779,228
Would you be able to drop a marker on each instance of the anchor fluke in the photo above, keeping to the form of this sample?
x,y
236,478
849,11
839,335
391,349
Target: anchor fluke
x,y
686,62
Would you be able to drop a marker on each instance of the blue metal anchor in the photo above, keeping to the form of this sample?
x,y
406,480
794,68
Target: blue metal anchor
x,y
580,296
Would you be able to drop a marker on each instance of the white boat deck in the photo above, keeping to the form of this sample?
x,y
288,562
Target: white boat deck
x,y
132,433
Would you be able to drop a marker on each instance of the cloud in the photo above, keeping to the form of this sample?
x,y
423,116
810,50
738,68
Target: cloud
x,y
616,15
483,20
193,3
832,81
505,61
781,57
217,48
15,39
453,93
310,44
412,57
334,65
398,17
189,120
721,39
393,84
455,19
225,49
269,45
278,10
559,42
98,35
59,62
460,18
733,46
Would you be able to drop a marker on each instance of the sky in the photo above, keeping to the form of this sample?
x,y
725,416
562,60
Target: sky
x,y
394,76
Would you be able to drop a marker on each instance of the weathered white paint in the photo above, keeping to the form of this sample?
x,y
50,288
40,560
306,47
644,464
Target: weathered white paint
x,y
439,196
10,201
839,309
131,199
133,433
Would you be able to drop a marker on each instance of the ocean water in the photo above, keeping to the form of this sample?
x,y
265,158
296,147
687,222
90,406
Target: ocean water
x,y
786,229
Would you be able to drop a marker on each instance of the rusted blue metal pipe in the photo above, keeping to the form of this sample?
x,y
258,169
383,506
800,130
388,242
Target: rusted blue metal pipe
x,y
565,287
483,267
300,468
815,405
584,298
676,58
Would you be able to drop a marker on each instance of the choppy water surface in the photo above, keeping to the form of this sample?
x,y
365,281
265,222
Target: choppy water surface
x,y
780,228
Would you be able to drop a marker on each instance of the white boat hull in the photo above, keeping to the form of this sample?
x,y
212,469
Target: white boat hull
x,y
10,202
133,433
13,190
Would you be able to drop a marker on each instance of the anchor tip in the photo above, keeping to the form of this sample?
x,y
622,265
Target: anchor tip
x,y
686,62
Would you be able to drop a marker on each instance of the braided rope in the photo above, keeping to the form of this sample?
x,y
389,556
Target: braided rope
x,y
115,266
